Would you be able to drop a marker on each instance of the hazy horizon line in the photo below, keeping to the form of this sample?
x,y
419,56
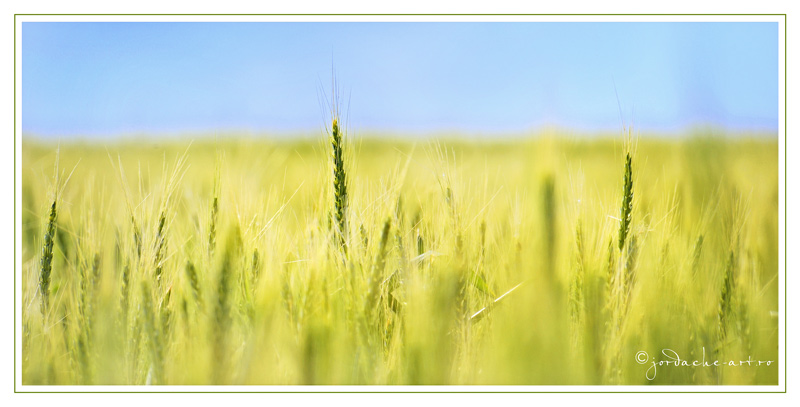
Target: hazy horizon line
x,y
393,134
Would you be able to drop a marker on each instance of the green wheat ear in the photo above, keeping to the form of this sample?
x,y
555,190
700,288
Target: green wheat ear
x,y
549,213
378,265
339,185
47,258
724,308
191,274
137,237
212,221
159,247
696,256
627,203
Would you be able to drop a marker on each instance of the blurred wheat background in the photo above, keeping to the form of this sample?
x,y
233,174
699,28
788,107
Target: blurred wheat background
x,y
542,260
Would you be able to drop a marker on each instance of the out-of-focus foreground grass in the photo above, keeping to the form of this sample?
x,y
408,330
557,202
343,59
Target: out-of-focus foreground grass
x,y
151,281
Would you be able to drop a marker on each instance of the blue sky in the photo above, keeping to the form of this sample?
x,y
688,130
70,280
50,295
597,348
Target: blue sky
x,y
106,79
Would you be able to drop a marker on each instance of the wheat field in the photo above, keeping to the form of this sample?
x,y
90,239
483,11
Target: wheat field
x,y
539,260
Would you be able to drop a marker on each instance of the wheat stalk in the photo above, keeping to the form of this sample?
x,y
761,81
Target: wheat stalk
x,y
156,345
222,309
622,277
576,300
